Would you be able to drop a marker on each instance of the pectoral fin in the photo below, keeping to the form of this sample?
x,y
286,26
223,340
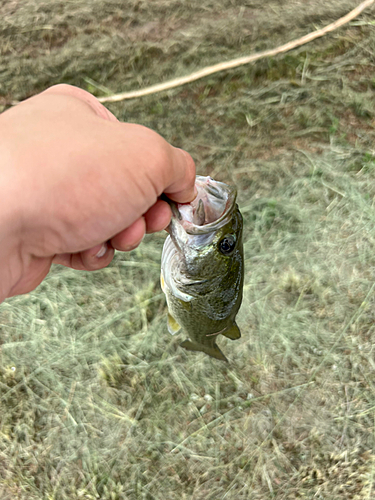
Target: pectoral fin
x,y
162,282
213,351
233,332
173,326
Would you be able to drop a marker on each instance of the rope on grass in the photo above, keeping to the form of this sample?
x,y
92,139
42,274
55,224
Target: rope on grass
x,y
216,68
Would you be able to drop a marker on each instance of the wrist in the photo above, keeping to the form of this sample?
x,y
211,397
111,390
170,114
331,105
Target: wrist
x,y
10,220
10,254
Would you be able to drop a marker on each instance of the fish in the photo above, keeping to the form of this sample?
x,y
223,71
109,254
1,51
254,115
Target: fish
x,y
202,267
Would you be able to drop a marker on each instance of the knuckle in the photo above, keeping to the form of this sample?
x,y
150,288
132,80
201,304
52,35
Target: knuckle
x,y
160,159
190,168
61,88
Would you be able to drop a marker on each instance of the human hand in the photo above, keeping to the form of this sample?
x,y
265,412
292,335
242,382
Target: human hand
x,y
77,184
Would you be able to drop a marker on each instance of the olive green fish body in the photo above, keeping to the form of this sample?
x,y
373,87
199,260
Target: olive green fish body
x,y
202,267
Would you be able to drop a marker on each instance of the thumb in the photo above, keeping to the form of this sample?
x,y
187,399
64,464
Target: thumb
x,y
182,189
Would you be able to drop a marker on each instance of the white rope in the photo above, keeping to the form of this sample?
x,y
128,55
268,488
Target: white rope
x,y
209,70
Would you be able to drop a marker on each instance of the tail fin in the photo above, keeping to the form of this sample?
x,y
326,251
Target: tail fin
x,y
213,351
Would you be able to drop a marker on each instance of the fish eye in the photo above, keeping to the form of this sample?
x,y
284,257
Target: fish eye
x,y
227,244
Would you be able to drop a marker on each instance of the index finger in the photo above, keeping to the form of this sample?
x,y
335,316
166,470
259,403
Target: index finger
x,y
182,190
82,95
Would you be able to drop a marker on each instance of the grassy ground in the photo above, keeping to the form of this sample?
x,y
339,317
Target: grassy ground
x,y
97,399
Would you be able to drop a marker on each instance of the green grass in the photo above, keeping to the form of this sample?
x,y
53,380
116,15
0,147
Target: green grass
x,y
97,400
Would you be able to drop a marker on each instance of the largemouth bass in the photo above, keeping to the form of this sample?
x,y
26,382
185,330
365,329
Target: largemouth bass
x,y
202,267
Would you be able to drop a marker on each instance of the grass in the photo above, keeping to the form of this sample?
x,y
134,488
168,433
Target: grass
x,y
97,400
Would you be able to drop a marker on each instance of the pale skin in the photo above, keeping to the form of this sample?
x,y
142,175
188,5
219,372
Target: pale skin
x,y
76,185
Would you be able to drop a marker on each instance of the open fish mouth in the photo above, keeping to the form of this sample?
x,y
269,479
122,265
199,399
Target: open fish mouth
x,y
210,210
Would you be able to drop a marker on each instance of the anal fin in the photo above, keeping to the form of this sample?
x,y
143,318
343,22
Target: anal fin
x,y
213,351
233,332
173,326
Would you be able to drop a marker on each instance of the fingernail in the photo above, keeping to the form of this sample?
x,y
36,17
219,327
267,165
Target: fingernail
x,y
102,251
